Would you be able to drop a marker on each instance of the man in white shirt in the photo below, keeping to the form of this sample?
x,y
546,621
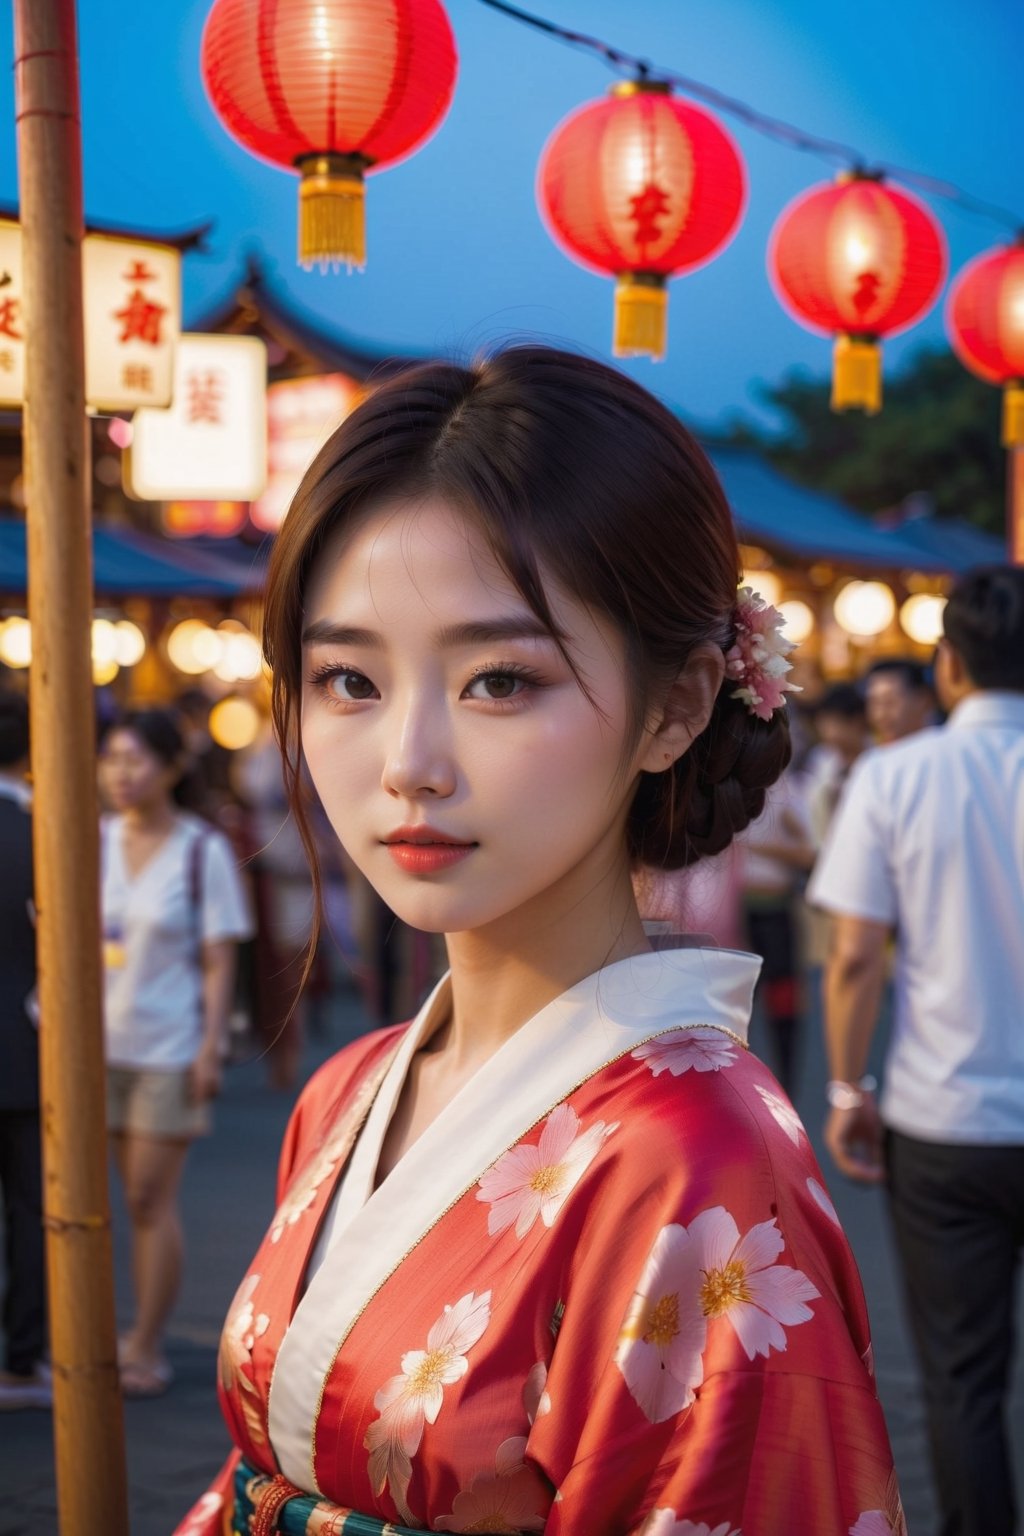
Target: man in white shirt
x,y
928,843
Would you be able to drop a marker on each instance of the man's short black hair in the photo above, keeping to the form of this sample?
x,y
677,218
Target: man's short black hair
x,y
844,699
13,728
984,623
914,675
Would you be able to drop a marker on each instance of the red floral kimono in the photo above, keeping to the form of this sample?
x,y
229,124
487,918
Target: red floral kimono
x,y
605,1294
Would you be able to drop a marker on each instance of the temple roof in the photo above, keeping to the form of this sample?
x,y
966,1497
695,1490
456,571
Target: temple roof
x,y
193,239
298,343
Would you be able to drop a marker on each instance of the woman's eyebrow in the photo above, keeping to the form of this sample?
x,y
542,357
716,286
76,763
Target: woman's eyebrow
x,y
483,631
323,632
476,632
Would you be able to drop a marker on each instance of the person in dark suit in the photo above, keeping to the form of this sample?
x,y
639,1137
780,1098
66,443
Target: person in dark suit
x,y
25,1383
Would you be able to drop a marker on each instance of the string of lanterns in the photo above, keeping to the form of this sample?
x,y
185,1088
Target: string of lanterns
x,y
642,186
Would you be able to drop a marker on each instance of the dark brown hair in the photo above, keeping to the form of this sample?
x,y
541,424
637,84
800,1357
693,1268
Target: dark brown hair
x,y
573,470
984,623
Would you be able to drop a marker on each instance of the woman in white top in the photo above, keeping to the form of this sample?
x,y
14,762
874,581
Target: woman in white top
x,y
173,912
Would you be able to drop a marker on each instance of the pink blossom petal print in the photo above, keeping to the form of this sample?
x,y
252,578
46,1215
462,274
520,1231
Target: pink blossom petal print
x,y
663,1522
760,1246
873,1522
534,1181
715,1234
821,1199
664,1332
757,1332
461,1325
783,1292
536,1400
679,1050
560,1130
783,1114
510,1172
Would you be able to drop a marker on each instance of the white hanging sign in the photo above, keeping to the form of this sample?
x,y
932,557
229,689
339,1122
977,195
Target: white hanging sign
x,y
12,316
301,415
211,445
131,298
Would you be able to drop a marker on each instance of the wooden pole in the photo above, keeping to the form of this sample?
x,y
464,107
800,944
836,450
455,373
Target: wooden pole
x,y
88,1426
1015,505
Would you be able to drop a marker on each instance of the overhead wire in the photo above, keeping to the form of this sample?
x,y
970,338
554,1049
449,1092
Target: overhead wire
x,y
782,132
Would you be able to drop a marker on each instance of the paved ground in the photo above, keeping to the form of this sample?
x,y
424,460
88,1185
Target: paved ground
x,y
175,1443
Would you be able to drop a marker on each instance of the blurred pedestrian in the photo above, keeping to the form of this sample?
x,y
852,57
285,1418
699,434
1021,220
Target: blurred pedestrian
x,y
173,912
841,723
899,698
25,1381
929,845
776,851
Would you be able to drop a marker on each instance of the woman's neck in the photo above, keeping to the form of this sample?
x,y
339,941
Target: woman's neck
x,y
503,974
144,820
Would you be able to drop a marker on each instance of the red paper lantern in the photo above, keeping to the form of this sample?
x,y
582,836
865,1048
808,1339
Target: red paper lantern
x,y
861,260
985,322
332,89
641,186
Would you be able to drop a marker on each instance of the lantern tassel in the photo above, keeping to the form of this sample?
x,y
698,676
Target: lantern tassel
x,y
1013,416
332,202
857,375
641,316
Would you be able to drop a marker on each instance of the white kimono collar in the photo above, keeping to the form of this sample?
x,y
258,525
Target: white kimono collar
x,y
595,1022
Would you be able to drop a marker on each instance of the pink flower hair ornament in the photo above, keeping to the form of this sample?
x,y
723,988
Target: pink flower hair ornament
x,y
757,658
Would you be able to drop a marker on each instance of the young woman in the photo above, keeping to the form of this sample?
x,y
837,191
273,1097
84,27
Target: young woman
x,y
173,912
556,1256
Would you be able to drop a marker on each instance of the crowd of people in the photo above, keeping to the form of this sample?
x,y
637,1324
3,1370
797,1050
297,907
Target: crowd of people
x,y
620,765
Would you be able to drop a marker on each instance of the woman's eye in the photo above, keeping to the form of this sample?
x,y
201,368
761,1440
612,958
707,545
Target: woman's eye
x,y
351,686
496,685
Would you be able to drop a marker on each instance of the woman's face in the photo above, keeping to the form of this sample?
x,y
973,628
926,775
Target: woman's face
x,y
132,775
461,764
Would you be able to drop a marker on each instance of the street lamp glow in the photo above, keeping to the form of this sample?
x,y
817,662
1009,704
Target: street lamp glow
x,y
16,643
104,645
241,654
765,583
193,647
797,619
921,617
234,723
104,671
864,608
130,643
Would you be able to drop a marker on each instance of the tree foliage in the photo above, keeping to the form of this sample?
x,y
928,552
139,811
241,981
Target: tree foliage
x,y
937,435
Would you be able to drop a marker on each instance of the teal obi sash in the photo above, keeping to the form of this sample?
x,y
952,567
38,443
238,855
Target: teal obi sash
x,y
292,1515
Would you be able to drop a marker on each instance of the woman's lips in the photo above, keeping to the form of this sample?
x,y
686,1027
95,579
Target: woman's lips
x,y
425,858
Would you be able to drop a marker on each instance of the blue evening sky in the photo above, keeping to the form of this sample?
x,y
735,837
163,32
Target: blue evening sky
x,y
458,258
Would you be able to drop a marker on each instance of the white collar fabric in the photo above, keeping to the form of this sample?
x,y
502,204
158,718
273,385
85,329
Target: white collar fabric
x,y
595,1022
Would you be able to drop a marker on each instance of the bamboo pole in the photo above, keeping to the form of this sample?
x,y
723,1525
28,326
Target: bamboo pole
x,y
88,1426
1015,505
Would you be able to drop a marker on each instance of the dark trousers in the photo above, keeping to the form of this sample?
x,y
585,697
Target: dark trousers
x,y
771,934
958,1218
21,1185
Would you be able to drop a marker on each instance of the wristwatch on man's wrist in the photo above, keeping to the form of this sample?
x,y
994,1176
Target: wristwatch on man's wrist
x,y
842,1095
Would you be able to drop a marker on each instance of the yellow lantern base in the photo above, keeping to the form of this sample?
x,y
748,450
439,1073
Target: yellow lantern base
x,y
1013,416
641,316
857,375
332,205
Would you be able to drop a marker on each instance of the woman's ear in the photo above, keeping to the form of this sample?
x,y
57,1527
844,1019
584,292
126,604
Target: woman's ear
x,y
685,709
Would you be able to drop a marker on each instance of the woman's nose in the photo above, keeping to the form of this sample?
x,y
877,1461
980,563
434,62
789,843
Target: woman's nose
x,y
419,760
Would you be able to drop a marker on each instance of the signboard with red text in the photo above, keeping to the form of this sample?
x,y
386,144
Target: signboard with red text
x,y
301,415
211,444
132,300
131,293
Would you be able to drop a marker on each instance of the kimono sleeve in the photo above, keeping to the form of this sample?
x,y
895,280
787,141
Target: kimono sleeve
x,y
711,1374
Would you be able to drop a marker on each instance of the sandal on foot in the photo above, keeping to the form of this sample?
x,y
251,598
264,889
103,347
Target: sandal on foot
x,y
141,1380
